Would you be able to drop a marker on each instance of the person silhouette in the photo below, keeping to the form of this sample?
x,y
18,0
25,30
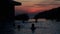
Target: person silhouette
x,y
18,27
33,28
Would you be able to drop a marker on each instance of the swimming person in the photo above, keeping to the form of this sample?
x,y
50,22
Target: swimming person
x,y
18,27
33,28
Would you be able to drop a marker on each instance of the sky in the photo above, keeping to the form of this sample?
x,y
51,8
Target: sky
x,y
36,6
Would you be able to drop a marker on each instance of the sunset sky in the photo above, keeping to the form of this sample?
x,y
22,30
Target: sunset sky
x,y
35,6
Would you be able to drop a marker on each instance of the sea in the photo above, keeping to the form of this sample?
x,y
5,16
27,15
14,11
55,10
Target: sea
x,y
43,26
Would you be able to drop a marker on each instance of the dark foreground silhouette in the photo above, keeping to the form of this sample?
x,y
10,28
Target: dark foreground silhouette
x,y
7,16
33,28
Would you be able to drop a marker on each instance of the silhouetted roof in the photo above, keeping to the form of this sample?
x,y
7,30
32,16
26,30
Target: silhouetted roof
x,y
16,3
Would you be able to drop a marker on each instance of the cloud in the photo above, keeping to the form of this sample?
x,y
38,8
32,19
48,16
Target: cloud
x,y
29,6
47,4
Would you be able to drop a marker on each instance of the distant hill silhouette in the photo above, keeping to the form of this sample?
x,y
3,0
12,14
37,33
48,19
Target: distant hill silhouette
x,y
50,14
23,17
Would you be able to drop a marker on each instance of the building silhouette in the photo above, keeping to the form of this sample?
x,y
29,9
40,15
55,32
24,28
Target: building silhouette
x,y
7,16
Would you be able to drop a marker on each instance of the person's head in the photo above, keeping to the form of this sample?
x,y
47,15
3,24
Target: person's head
x,y
32,24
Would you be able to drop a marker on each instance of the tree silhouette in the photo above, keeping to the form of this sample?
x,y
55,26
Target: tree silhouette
x,y
23,17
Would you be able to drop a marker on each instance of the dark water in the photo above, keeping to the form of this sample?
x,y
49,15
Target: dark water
x,y
42,27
